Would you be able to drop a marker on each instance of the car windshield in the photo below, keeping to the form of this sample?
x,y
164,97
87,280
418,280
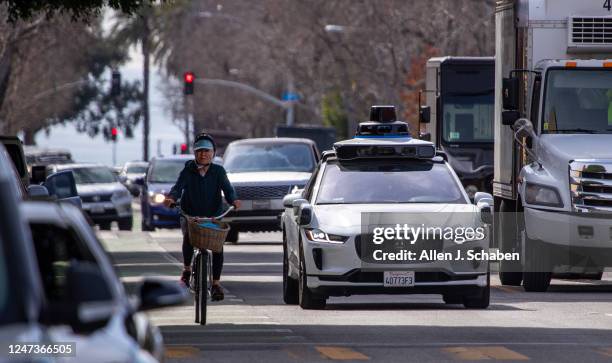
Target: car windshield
x,y
578,101
468,118
166,171
269,157
388,182
136,169
93,175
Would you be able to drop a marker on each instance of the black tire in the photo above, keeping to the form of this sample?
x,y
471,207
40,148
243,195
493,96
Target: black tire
x,y
232,235
510,272
125,224
307,299
105,226
537,270
482,299
201,290
145,227
452,299
290,285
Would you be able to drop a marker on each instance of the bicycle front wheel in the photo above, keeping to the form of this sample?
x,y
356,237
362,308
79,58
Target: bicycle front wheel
x,y
201,295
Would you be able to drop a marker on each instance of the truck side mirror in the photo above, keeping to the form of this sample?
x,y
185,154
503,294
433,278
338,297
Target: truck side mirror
x,y
424,114
510,117
510,96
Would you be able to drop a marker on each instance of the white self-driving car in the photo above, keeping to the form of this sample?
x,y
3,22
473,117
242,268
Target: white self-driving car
x,y
358,227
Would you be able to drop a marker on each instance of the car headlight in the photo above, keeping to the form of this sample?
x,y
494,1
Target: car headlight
x,y
317,235
542,195
156,198
119,194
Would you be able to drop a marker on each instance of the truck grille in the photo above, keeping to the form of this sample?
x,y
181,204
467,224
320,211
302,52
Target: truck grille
x,y
262,192
585,31
591,186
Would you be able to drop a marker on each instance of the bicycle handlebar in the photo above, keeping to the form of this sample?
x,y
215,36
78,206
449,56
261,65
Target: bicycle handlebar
x,y
203,219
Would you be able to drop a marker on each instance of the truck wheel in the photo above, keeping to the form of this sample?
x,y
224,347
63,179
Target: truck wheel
x,y
232,235
536,275
510,272
125,224
307,299
482,299
290,285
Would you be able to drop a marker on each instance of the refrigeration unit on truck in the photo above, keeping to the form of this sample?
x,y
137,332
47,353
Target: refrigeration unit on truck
x,y
458,116
553,138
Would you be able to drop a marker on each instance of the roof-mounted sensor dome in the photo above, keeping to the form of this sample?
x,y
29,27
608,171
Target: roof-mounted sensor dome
x,y
383,123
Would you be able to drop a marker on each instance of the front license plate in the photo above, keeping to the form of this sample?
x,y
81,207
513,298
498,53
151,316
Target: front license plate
x,y
97,209
261,204
399,278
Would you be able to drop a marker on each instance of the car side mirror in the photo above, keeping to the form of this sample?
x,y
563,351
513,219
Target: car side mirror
x,y
424,114
62,185
305,214
139,180
155,293
290,198
37,191
296,205
510,93
510,117
425,136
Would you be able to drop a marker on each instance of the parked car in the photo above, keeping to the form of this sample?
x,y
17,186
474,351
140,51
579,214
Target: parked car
x,y
263,171
131,171
105,200
161,176
59,285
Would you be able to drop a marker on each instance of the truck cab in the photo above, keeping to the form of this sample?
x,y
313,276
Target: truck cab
x,y
458,116
553,131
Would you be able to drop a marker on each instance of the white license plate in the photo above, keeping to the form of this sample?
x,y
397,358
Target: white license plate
x,y
261,204
399,278
97,209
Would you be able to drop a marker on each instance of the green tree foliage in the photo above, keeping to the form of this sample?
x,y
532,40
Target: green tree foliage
x,y
334,114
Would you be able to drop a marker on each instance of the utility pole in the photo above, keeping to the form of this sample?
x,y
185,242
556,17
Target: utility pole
x,y
146,35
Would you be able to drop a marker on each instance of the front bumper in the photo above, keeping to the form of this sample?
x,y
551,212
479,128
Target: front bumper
x,y
162,217
256,215
108,211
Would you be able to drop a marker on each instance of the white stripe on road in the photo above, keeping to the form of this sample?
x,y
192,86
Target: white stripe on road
x,y
199,331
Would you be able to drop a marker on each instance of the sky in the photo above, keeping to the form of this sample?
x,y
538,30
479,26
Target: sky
x,y
86,149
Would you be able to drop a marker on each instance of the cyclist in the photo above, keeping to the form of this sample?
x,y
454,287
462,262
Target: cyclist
x,y
199,188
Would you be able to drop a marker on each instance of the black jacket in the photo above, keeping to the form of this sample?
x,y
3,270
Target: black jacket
x,y
201,195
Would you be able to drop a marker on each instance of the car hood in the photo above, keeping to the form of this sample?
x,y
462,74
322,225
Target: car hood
x,y
101,188
271,177
160,187
347,218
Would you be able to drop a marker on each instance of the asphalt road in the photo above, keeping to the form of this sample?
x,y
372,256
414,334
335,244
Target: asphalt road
x,y
570,323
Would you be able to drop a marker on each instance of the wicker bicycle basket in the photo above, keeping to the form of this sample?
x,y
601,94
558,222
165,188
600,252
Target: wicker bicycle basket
x,y
207,238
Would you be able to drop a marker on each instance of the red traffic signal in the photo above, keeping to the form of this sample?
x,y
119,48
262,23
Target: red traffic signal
x,y
188,78
114,134
184,148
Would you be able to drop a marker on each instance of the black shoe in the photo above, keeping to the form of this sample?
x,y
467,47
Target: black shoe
x,y
185,277
216,293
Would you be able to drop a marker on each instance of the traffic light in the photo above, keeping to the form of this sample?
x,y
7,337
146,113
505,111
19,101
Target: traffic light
x,y
115,83
188,78
114,134
184,148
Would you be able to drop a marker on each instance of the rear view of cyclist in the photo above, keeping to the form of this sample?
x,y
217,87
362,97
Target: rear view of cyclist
x,y
199,188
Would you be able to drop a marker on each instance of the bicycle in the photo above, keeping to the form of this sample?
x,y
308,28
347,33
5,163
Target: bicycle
x,y
204,239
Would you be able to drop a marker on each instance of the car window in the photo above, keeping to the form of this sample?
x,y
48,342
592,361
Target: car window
x,y
56,248
165,171
307,193
93,175
388,182
136,169
269,157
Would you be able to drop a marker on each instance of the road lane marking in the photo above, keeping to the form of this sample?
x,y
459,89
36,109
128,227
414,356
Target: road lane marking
x,y
341,353
484,353
606,351
178,351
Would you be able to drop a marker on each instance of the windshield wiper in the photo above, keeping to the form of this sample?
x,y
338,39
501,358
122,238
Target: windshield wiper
x,y
577,130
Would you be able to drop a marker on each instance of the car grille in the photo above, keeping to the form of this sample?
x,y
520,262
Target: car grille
x,y
262,192
436,245
92,198
591,186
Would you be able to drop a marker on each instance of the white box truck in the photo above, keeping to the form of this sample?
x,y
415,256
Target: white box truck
x,y
553,138
458,116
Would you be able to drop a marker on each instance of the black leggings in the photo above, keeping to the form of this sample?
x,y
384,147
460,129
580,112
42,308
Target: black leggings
x,y
217,257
